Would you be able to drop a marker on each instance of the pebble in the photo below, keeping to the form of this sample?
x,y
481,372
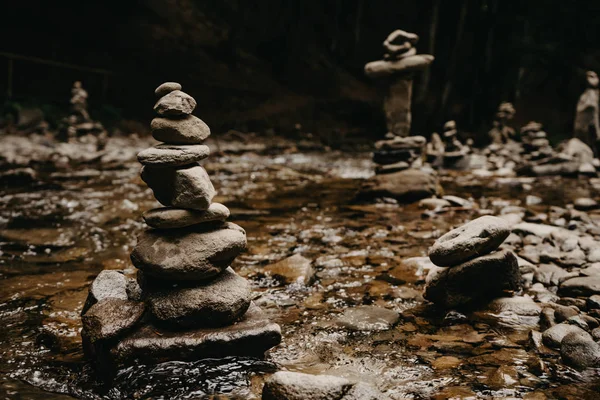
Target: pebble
x,y
108,284
294,269
473,239
166,155
195,253
578,349
585,203
217,302
175,103
553,336
169,218
186,130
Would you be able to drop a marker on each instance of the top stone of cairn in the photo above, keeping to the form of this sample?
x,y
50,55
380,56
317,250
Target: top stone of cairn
x,y
174,102
166,88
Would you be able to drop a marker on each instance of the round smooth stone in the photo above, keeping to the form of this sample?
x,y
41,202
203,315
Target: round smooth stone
x,y
196,253
169,218
476,238
183,188
186,130
218,302
166,88
175,103
168,155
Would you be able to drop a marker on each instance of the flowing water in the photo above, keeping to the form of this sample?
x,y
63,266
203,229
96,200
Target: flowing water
x,y
58,231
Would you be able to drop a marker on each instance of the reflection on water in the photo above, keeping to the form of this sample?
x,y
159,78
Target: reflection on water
x,y
58,233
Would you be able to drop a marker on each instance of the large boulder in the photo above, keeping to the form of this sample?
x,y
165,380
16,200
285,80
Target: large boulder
x,y
406,186
196,253
482,278
473,239
217,302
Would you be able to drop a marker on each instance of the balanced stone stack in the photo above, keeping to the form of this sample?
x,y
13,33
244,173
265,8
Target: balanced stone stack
x,y
399,153
536,145
396,72
470,269
196,305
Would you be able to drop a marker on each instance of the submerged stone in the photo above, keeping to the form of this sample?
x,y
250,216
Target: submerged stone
x,y
110,318
473,239
406,186
195,253
217,302
285,385
368,318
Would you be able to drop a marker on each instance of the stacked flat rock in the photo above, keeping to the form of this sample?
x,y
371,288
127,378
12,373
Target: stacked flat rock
x,y
536,145
398,153
469,266
195,305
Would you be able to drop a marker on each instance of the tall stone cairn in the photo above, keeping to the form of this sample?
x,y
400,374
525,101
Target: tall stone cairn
x,y
190,304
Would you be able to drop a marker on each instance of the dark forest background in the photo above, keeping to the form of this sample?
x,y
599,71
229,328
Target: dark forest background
x,y
254,65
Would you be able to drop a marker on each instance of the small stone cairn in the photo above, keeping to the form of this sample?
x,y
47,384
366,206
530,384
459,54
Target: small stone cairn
x,y
469,269
536,145
79,123
398,154
187,302
502,132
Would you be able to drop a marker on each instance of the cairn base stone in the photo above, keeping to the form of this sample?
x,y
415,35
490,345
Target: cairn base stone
x,y
251,336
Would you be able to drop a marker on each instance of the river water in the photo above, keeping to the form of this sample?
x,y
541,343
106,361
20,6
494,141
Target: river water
x,y
59,230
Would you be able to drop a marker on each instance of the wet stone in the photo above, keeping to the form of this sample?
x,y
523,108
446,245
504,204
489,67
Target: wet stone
x,y
553,336
579,350
368,318
581,286
406,186
284,385
110,318
169,218
181,131
175,103
195,253
215,303
294,269
476,238
479,279
168,155
188,187
251,336
585,203
108,284
166,88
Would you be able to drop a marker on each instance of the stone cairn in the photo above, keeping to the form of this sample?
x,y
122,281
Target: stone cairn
x,y
501,132
536,145
79,122
187,302
399,151
469,269
396,72
587,127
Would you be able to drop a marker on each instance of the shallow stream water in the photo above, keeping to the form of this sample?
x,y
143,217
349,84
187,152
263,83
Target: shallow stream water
x,y
58,233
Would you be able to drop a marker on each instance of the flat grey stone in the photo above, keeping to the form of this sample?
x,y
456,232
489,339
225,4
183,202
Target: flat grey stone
x,y
196,253
479,279
188,187
108,284
183,130
217,302
473,239
579,350
170,155
175,103
581,286
285,385
169,218
110,318
252,335
166,88
368,318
